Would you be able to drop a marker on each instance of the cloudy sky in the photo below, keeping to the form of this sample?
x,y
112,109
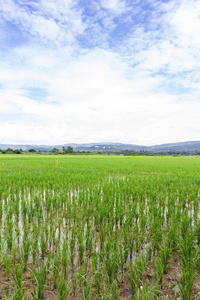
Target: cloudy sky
x,y
99,70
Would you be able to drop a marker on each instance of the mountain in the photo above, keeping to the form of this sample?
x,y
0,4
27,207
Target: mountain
x,y
190,146
108,147
182,146
26,147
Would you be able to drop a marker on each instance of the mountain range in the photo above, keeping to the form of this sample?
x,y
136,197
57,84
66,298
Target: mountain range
x,y
190,146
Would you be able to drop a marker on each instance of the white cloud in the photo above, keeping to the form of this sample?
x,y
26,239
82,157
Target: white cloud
x,y
95,101
171,49
52,21
185,22
132,93
117,7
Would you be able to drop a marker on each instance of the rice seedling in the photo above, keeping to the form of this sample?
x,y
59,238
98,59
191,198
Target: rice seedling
x,y
115,292
39,277
65,259
81,247
43,243
7,294
87,288
7,264
98,282
143,292
159,269
74,282
17,274
197,231
63,288
56,269
186,282
26,251
136,273
106,293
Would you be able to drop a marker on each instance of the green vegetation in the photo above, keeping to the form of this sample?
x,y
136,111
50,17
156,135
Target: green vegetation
x,y
11,151
107,151
99,227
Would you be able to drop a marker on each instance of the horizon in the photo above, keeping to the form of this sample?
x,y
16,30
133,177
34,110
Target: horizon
x,y
99,70
98,143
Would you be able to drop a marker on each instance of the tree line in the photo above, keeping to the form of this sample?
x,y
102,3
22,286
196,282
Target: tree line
x,y
70,150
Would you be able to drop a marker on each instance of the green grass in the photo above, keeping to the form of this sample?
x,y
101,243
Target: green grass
x,y
92,225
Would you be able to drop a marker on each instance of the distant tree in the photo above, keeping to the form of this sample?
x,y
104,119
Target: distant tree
x,y
55,150
9,151
67,150
70,149
31,150
17,151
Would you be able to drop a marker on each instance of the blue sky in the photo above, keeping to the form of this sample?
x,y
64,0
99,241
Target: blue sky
x,y
91,71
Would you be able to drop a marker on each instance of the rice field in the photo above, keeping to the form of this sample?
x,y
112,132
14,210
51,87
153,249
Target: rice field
x,y
99,227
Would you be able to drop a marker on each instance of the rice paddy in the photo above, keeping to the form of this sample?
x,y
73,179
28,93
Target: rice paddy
x,y
99,227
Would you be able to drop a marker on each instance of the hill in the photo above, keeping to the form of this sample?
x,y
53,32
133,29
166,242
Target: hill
x,y
190,146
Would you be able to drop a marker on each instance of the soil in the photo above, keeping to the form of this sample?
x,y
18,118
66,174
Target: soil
x,y
170,289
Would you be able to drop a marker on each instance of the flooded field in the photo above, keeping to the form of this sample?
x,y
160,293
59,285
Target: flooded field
x,y
99,227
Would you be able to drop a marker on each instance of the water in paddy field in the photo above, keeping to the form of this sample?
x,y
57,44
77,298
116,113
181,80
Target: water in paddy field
x,y
62,229
118,220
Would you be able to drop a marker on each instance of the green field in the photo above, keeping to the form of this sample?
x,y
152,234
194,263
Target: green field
x,y
99,227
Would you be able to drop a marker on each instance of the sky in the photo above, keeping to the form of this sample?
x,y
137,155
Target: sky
x,y
99,71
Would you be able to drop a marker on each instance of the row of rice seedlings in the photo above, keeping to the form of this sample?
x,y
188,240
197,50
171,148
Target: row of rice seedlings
x,y
189,258
115,221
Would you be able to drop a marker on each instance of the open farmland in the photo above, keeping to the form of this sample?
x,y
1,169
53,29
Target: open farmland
x,y
99,227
